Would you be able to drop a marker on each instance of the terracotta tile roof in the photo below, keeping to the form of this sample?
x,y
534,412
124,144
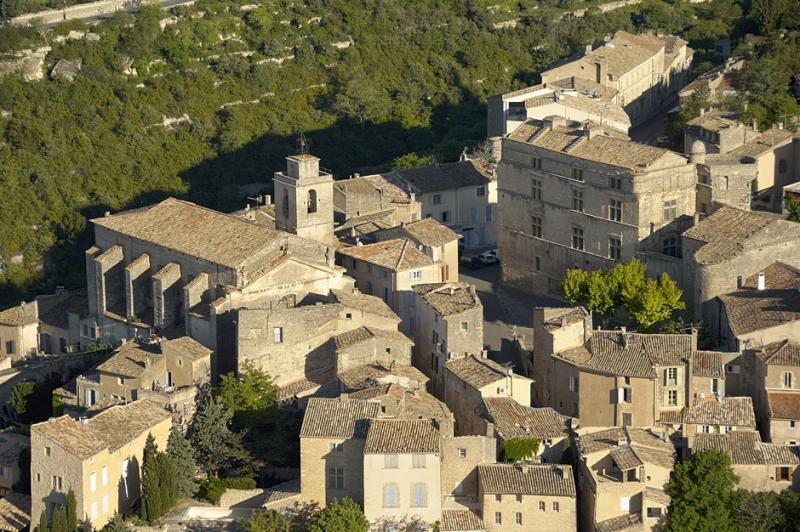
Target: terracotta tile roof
x,y
368,375
728,232
749,309
630,354
513,420
708,364
764,143
263,215
24,314
15,511
783,353
460,521
130,360
399,402
604,148
366,223
646,445
599,107
561,317
449,298
110,429
185,346
195,231
746,448
626,458
365,334
397,255
402,436
337,418
783,405
477,371
426,232
728,411
716,120
446,176
56,314
620,524
364,302
657,495
282,491
552,480
372,185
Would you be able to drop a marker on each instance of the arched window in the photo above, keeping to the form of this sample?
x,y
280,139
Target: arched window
x,y
312,201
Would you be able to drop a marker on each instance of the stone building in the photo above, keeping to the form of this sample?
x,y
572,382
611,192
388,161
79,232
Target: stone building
x,y
402,471
461,456
11,448
726,178
574,195
470,379
390,269
98,458
720,81
448,322
180,269
19,330
646,71
781,424
304,199
167,373
762,311
433,238
360,197
622,476
574,98
64,322
527,497
726,248
759,466
462,195
15,511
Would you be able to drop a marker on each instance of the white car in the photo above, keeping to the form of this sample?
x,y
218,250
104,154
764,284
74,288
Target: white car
x,y
489,257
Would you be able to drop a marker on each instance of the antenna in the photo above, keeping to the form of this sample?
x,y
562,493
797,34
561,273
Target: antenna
x,y
258,199
302,144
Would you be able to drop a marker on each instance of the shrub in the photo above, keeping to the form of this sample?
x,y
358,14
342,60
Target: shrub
x,y
212,490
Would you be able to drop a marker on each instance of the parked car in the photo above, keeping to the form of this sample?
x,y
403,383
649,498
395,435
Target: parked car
x,y
489,257
471,263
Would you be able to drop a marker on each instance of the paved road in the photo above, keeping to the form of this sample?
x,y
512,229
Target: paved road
x,y
505,311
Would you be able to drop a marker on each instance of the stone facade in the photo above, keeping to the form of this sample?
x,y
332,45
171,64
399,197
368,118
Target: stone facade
x,y
19,328
11,447
304,199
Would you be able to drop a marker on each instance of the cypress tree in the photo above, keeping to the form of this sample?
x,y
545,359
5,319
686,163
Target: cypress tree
x,y
71,511
150,447
59,523
181,454
43,525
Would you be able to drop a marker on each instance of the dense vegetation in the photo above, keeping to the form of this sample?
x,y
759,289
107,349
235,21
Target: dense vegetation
x,y
414,81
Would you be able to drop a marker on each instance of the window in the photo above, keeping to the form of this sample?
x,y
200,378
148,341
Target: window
x,y
418,461
715,386
47,451
654,513
670,246
615,210
462,452
536,226
481,191
705,429
728,429
104,476
555,506
627,395
577,238
577,173
464,326
436,199
336,478
56,482
783,473
94,510
336,447
121,381
573,384
671,376
782,166
615,182
536,189
672,397
537,262
670,210
390,461
444,216
10,349
348,316
488,213
787,379
498,518
124,468
614,248
577,200
627,420
473,215
519,498
387,296
93,482
419,495
518,518
105,504
498,497
312,201
390,492
536,163
541,506
277,335
435,337
624,504
38,477
416,274
792,424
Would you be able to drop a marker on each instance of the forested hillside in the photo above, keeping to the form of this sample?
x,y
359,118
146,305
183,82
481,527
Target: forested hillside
x,y
366,80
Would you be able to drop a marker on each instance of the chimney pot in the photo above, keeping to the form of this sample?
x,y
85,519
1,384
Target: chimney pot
x,y
762,281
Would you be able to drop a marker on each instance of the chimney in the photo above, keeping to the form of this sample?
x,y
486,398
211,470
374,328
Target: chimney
x,y
762,281
352,232
588,48
754,124
107,214
344,396
780,125
267,199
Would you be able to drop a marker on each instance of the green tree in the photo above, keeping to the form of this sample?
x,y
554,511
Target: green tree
x,y
701,491
626,280
412,160
342,515
71,511
151,502
117,524
656,302
248,396
793,206
210,436
266,521
43,524
758,511
599,298
59,521
574,286
150,447
20,395
181,455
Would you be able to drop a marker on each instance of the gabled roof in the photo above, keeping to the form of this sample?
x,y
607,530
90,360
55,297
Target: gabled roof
x,y
513,420
446,176
646,446
426,232
477,371
364,302
550,480
15,511
783,353
396,255
448,298
728,411
562,317
56,314
746,448
368,375
110,429
708,364
460,521
337,418
364,334
784,405
622,523
24,314
130,360
402,436
728,233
